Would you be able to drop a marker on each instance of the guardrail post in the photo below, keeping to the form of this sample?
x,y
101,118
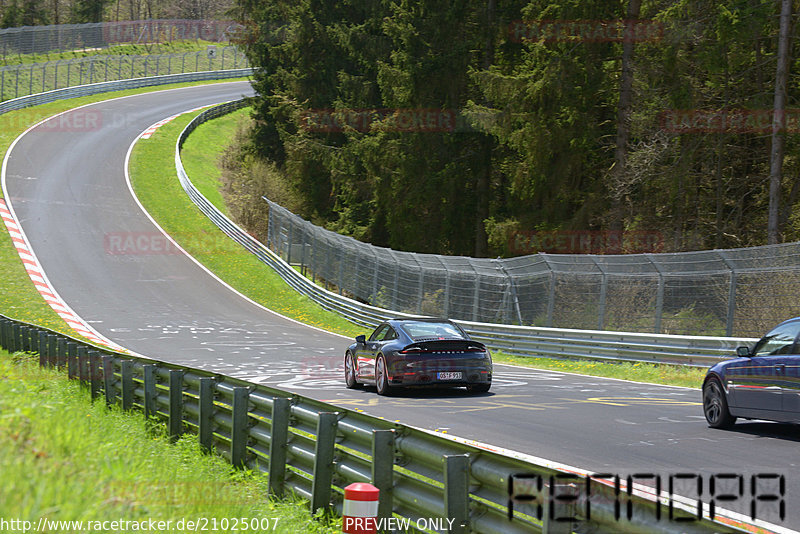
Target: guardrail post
x,y
83,371
240,426
126,370
3,341
25,334
456,492
44,349
94,373
383,469
323,460
205,429
149,375
61,353
72,359
108,380
33,339
175,403
16,338
52,350
281,411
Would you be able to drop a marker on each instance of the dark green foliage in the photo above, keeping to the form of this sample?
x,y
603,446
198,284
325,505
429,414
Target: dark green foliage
x,y
523,132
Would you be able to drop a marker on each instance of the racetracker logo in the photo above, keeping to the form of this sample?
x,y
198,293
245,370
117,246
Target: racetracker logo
x,y
731,121
586,31
363,120
79,120
585,242
155,244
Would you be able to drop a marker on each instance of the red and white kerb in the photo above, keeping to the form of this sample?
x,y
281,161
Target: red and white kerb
x,y
43,285
360,509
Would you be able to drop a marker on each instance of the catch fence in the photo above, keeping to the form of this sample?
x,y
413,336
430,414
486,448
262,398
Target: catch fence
x,y
65,37
32,78
737,292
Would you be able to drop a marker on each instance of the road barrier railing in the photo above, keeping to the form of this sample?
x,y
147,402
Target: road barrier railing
x,y
531,341
118,85
315,450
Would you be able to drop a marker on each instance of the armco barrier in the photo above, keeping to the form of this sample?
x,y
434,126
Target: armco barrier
x,y
316,449
118,85
532,341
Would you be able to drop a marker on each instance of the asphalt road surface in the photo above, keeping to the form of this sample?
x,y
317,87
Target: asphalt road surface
x,y
66,182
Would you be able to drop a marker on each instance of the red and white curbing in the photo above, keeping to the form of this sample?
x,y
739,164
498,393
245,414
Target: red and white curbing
x,y
148,133
43,285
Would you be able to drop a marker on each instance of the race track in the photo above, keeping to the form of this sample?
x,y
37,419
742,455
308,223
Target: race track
x,y
68,189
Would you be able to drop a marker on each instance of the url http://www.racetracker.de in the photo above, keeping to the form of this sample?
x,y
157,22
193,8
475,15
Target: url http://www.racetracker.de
x,y
198,524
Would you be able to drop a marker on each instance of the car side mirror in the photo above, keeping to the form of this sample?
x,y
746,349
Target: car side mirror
x,y
743,352
361,339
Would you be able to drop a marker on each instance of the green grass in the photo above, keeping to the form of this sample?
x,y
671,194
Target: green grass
x,y
19,298
46,76
65,458
118,50
203,149
153,176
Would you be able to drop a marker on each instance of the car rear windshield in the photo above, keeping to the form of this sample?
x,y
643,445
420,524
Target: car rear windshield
x,y
426,330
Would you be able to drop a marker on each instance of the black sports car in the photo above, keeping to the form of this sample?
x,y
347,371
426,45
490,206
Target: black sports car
x,y
418,352
761,383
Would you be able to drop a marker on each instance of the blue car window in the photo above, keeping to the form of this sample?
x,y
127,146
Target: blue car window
x,y
379,332
780,340
389,335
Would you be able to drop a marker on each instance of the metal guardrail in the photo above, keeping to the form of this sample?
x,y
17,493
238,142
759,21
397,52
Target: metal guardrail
x,y
530,341
315,449
30,78
118,85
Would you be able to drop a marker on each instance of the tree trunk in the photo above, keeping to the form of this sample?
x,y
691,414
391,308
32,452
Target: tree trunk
x,y
623,116
485,173
779,124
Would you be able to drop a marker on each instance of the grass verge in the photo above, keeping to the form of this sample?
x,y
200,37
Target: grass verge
x,y
152,171
64,458
203,149
19,298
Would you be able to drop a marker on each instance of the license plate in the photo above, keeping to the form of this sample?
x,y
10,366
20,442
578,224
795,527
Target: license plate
x,y
450,375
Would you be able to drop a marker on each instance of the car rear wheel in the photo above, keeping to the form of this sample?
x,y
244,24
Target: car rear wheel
x,y
478,388
715,405
350,371
382,377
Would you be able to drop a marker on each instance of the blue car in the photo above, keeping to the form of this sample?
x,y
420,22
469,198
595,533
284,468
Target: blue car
x,y
418,352
762,382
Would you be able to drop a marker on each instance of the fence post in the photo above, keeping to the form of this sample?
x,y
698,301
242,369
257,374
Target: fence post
x,y
94,373
150,391
601,305
239,426
44,351
126,370
72,359
61,353
205,430
383,469
108,380
323,460
659,294
281,411
3,338
25,338
83,370
731,294
52,350
456,491
175,403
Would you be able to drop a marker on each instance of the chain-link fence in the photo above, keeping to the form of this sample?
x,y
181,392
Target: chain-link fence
x,y
739,292
28,79
63,37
